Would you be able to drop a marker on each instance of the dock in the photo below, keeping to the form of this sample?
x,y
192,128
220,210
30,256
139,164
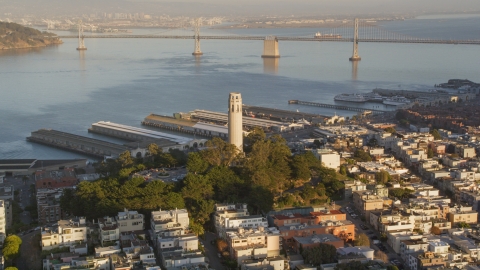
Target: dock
x,y
337,107
76,143
280,115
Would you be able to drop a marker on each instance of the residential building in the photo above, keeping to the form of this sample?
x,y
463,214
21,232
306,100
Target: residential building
x,y
379,190
3,222
303,242
186,242
55,179
462,214
344,230
465,151
178,259
7,193
66,233
351,186
271,263
328,215
328,158
128,221
167,223
224,211
365,251
430,259
366,201
48,205
108,230
245,244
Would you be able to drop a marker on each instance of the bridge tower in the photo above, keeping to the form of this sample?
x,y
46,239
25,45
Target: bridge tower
x,y
355,56
196,24
81,37
270,47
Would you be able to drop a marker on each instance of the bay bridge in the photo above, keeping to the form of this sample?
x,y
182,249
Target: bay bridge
x,y
357,32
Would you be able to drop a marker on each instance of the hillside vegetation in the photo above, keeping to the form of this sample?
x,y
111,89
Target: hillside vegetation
x,y
15,36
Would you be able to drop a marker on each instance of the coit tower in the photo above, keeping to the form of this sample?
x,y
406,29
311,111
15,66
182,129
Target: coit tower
x,y
235,130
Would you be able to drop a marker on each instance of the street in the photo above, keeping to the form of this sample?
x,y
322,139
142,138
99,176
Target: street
x,y
211,251
24,196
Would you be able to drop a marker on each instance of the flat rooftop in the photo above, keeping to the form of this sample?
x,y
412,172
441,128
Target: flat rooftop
x,y
141,131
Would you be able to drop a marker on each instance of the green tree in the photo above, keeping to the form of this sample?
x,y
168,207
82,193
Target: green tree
x,y
382,177
11,247
362,156
153,149
125,160
390,130
308,192
197,187
392,267
227,185
436,135
343,170
218,152
196,228
196,163
321,254
463,224
256,135
362,240
300,168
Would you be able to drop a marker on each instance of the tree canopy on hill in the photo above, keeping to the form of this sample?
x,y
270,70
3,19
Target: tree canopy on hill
x,y
12,34
217,173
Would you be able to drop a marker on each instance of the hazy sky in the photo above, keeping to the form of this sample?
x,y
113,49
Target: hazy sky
x,y
242,7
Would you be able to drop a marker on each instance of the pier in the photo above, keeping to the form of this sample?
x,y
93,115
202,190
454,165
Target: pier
x,y
76,143
337,107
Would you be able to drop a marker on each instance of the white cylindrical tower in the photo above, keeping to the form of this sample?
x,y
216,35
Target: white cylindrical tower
x,y
235,125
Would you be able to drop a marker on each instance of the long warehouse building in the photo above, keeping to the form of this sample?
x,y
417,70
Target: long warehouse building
x,y
186,126
218,117
76,143
134,133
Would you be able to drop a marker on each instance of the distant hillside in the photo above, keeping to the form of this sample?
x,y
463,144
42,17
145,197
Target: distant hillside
x,y
16,36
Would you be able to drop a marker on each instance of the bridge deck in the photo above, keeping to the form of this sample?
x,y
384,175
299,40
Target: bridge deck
x,y
427,41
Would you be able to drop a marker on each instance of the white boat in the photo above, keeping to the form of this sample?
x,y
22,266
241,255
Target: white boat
x,y
396,100
327,36
373,97
350,98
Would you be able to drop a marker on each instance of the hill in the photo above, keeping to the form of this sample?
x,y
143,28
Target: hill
x,y
16,36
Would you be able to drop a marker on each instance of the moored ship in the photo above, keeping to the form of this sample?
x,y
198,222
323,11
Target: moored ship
x,y
396,100
350,98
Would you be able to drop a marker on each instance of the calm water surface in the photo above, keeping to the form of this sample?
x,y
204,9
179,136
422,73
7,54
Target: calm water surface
x,y
123,80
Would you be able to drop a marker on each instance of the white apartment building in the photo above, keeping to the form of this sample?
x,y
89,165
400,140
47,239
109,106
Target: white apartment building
x,y
3,222
167,223
186,242
108,230
225,211
327,157
253,244
66,233
128,221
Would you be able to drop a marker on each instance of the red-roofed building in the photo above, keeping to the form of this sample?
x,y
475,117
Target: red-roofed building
x,y
55,179
292,219
332,215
